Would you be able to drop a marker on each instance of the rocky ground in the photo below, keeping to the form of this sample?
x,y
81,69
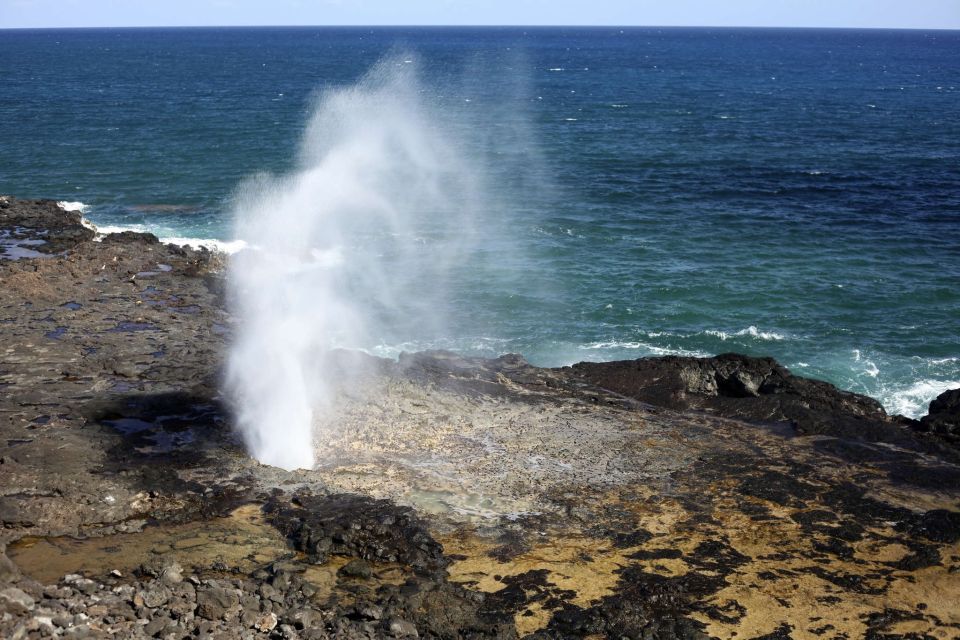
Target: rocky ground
x,y
454,497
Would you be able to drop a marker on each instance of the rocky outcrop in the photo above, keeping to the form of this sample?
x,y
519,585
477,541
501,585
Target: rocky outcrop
x,y
356,526
42,225
943,418
754,389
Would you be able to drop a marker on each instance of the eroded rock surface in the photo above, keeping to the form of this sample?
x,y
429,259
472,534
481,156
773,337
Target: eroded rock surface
x,y
760,390
455,497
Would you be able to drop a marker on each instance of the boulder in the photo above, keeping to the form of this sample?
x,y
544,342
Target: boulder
x,y
36,220
943,417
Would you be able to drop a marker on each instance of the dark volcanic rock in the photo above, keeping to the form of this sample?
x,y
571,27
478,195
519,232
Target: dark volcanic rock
x,y
128,237
943,418
754,389
43,220
361,527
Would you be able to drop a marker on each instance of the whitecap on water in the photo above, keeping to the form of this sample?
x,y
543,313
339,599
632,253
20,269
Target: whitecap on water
x,y
750,331
67,205
646,348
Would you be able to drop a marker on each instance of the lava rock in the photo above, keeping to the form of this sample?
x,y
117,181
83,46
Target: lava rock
x,y
354,525
943,417
753,389
45,220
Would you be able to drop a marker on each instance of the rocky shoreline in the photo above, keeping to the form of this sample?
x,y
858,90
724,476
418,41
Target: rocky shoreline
x,y
455,497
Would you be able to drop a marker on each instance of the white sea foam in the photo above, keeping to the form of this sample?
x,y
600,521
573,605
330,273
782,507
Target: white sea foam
x,y
864,366
107,229
646,348
486,346
751,331
913,400
223,246
67,205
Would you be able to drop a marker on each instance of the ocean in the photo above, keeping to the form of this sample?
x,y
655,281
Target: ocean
x,y
640,191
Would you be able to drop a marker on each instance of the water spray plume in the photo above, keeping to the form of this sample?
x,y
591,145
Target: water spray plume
x,y
348,249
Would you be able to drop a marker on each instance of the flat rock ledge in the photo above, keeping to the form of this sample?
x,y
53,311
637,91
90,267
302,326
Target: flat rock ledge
x,y
455,497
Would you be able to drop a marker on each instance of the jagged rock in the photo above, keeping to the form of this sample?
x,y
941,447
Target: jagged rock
x,y
755,389
358,526
943,417
46,221
130,237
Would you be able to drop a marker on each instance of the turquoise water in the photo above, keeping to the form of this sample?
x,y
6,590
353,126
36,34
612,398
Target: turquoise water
x,y
793,193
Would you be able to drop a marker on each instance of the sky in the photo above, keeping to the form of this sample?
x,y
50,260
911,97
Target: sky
x,y
912,14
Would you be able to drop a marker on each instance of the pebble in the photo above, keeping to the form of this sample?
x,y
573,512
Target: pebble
x,y
266,622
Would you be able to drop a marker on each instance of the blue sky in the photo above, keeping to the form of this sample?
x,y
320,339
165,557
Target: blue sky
x,y
941,14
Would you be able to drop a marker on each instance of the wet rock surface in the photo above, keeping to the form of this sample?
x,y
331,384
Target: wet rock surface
x,y
455,497
761,390
943,419
39,226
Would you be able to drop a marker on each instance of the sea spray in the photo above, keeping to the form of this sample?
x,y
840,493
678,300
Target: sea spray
x,y
350,248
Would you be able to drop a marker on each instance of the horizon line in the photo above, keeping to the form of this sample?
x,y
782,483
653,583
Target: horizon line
x,y
480,26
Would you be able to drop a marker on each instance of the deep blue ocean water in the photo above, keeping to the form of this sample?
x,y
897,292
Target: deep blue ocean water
x,y
793,193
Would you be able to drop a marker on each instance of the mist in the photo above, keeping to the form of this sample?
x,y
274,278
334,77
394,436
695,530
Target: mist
x,y
350,249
